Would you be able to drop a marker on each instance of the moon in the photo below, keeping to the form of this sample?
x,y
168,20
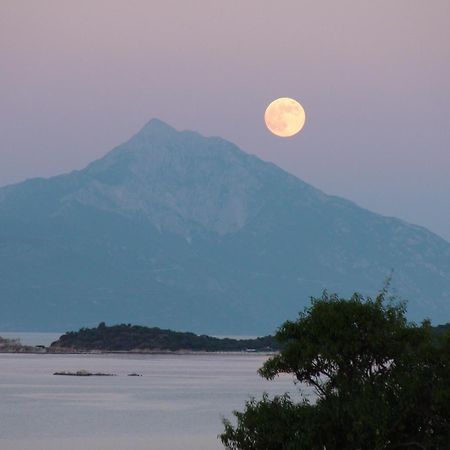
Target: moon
x,y
285,117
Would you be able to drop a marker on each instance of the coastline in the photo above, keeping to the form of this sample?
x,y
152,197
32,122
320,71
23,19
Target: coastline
x,y
126,339
133,352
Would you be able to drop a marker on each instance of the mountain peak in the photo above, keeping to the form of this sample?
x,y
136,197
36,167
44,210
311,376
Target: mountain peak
x,y
157,127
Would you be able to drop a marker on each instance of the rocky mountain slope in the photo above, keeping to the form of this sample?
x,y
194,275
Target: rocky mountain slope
x,y
176,230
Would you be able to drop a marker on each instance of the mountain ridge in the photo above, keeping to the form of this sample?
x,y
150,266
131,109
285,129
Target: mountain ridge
x,y
186,227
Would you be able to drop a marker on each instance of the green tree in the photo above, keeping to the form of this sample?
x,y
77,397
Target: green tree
x,y
380,382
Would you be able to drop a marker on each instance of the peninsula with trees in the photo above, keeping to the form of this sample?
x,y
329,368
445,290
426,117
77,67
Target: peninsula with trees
x,y
136,338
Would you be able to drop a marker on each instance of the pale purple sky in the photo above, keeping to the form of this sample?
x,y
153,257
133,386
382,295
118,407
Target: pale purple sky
x,y
79,77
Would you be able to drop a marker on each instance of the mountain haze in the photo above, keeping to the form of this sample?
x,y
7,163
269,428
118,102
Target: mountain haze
x,y
175,230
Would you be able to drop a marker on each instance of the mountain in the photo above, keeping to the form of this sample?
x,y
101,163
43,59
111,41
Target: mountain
x,y
175,230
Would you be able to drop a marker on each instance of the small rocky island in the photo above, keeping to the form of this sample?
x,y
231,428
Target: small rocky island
x,y
85,373
135,338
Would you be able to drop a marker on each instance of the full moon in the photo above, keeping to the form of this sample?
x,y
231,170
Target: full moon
x,y
285,117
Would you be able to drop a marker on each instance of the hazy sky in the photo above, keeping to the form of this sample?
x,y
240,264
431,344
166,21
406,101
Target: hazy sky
x,y
79,77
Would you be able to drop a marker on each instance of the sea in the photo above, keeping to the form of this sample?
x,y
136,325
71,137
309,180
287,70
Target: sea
x,y
178,403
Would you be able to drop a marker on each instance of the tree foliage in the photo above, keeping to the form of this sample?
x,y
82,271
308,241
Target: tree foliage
x,y
380,382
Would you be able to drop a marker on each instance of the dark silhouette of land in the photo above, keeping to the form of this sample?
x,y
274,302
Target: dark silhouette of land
x,y
126,337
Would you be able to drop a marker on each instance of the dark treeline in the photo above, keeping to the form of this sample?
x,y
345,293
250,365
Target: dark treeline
x,y
126,337
439,330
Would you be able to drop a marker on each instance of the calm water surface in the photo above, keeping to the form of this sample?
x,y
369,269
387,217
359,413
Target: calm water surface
x,y
177,404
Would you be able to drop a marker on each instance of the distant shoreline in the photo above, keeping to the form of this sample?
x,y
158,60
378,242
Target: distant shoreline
x,y
127,339
132,352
